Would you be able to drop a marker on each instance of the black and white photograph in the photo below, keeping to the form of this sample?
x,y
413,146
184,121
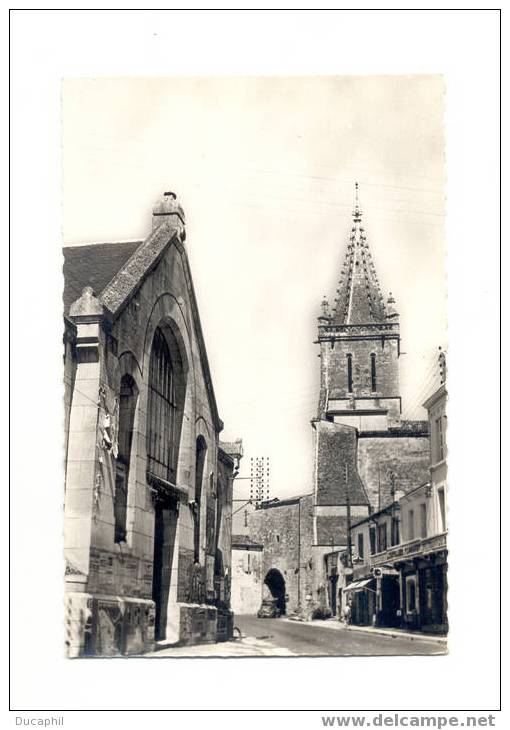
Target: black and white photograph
x,y
266,470
254,467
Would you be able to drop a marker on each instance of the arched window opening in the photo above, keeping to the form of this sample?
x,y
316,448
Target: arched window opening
x,y
165,409
201,450
349,373
127,408
164,430
373,371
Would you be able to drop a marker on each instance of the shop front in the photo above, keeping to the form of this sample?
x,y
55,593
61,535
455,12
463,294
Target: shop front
x,y
424,589
361,596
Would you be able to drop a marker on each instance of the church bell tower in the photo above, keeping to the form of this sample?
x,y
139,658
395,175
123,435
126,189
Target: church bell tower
x,y
359,344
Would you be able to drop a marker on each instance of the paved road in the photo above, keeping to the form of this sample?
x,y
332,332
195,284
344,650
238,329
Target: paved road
x,y
307,639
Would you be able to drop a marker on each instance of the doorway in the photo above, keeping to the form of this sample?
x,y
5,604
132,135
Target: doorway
x,y
165,528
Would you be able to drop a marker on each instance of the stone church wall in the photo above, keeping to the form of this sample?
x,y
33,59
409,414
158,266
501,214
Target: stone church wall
x,y
407,457
335,372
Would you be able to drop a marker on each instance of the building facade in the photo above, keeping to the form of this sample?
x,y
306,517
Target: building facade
x,y
148,490
399,575
247,575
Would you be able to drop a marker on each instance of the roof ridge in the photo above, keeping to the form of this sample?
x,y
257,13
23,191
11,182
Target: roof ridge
x,y
82,244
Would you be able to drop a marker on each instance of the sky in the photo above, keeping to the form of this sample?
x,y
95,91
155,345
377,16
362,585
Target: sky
x,y
265,170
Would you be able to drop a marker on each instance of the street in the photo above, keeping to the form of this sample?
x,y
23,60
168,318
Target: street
x,y
281,637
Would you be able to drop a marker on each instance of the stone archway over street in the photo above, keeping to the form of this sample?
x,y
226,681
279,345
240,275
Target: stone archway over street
x,y
275,582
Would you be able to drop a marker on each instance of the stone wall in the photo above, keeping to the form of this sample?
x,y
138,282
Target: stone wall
x,y
336,449
334,367
407,457
285,529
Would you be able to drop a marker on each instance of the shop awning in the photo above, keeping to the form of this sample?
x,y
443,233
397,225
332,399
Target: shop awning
x,y
358,585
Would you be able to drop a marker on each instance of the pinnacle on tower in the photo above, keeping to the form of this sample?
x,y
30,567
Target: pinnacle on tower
x,y
324,308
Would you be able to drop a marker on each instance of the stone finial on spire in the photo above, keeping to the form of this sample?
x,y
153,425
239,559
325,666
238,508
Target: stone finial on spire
x,y
356,213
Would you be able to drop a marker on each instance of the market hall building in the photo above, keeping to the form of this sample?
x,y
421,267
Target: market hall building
x,y
148,487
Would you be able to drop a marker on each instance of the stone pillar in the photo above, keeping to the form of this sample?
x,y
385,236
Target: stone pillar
x,y
82,459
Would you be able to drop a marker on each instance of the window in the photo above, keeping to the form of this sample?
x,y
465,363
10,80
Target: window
x,y
423,520
127,407
410,525
201,450
373,371
247,563
349,373
361,547
395,530
372,541
162,433
442,509
439,439
382,537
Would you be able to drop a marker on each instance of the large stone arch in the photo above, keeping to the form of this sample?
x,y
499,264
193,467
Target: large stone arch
x,y
276,588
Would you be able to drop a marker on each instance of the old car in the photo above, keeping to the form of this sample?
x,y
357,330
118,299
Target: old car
x,y
269,608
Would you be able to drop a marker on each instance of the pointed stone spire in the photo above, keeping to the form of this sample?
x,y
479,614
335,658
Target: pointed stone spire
x,y
359,299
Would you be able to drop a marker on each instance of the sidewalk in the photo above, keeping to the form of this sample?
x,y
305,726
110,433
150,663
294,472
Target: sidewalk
x,y
246,647
334,624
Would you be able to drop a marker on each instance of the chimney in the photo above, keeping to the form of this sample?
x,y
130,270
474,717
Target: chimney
x,y
169,210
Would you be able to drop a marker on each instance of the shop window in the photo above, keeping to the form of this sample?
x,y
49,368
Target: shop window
x,y
373,371
127,407
423,520
361,547
349,373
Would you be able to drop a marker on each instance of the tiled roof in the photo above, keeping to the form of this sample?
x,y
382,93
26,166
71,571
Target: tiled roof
x,y
93,265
